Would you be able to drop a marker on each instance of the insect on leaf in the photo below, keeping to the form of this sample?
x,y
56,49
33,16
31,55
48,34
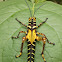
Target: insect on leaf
x,y
11,9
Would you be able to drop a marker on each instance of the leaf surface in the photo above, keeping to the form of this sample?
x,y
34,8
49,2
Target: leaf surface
x,y
9,10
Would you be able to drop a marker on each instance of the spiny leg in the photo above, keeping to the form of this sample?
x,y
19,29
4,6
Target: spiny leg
x,y
19,34
46,38
42,23
44,41
42,53
23,39
21,22
50,42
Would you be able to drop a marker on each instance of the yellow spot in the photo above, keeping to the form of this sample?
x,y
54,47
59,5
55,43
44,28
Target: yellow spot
x,y
33,53
42,55
34,26
29,48
38,38
29,26
17,56
34,18
20,53
29,53
32,57
33,49
28,44
33,44
44,59
31,61
28,61
29,18
28,57
44,38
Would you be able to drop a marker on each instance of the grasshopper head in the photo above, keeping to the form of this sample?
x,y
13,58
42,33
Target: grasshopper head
x,y
32,19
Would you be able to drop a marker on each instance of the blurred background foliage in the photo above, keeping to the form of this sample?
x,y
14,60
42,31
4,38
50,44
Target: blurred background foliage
x,y
55,1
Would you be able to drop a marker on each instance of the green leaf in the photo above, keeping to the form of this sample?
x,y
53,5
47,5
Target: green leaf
x,y
9,10
37,1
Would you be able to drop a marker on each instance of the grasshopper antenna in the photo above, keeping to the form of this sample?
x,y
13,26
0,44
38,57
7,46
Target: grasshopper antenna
x,y
39,7
29,8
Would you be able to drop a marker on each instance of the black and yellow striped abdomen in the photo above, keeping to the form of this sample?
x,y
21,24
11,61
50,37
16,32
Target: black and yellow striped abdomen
x,y
31,51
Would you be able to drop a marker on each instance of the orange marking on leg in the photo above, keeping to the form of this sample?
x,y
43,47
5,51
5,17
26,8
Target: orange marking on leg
x,y
38,38
23,39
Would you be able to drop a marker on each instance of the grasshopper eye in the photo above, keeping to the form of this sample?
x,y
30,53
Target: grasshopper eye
x,y
29,18
34,18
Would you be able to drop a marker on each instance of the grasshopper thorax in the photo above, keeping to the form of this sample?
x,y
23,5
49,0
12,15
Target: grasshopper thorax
x,y
32,21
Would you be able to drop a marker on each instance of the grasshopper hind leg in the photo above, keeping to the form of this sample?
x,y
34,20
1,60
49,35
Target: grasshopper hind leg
x,y
50,42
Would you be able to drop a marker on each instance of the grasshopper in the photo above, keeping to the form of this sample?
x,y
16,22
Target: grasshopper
x,y
32,37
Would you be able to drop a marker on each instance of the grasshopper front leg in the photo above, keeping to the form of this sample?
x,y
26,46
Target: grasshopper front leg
x,y
41,23
19,34
21,22
23,40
